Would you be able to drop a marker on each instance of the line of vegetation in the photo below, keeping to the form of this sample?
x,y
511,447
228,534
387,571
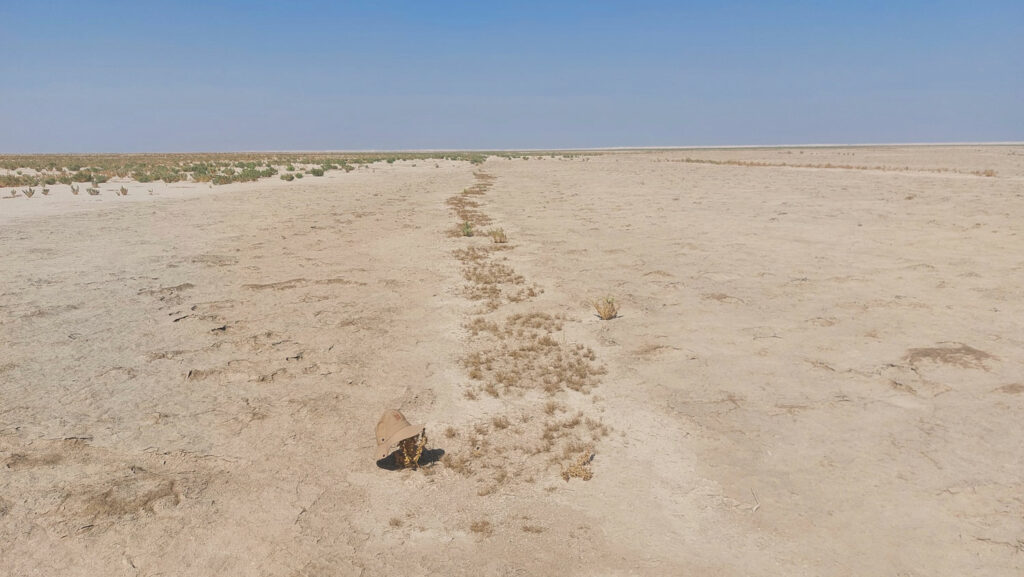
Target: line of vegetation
x,y
215,168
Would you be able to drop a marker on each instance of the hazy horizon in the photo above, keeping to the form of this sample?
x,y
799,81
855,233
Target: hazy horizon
x,y
122,77
508,150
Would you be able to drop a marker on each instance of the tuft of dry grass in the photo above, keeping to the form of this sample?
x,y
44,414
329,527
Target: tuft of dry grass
x,y
482,527
461,464
74,190
500,423
579,468
606,308
93,191
123,191
28,192
533,529
395,522
498,235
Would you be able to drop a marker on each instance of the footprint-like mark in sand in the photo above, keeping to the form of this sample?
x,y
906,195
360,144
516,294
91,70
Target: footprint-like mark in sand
x,y
722,298
302,282
215,260
169,295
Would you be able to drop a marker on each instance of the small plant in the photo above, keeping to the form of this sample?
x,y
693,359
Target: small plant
x,y
467,228
74,189
287,177
580,468
93,191
290,168
45,191
299,175
498,235
316,171
28,192
606,308
123,191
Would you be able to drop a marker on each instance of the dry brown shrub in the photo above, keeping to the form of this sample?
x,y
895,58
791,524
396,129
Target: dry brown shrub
x,y
606,308
579,468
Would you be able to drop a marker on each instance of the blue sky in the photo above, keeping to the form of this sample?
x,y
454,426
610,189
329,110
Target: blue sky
x,y
210,76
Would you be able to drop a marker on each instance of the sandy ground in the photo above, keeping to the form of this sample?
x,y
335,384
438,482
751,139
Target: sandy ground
x,y
816,371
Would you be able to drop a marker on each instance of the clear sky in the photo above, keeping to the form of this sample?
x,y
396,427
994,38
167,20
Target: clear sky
x,y
80,76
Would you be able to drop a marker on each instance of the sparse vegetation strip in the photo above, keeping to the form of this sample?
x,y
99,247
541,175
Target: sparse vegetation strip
x,y
524,361
215,168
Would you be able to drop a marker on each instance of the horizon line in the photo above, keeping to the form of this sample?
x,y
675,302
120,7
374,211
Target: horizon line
x,y
496,150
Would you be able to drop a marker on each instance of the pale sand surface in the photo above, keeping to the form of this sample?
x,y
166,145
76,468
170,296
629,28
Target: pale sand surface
x,y
816,371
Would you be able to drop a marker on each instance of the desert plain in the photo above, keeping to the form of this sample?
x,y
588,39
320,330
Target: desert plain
x,y
817,368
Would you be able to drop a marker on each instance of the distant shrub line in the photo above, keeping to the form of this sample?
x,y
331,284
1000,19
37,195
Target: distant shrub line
x,y
213,168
